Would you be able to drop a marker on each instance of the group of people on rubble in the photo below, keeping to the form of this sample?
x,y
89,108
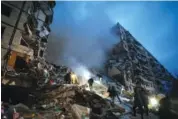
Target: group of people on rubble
x,y
164,111
140,98
141,102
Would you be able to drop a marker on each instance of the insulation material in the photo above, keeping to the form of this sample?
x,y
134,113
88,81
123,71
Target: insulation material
x,y
12,59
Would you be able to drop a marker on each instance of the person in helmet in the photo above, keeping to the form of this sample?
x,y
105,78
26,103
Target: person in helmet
x,y
67,78
74,79
113,93
140,100
164,109
90,82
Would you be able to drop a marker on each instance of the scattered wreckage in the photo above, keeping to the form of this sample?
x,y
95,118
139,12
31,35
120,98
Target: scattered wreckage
x,y
57,100
66,101
36,73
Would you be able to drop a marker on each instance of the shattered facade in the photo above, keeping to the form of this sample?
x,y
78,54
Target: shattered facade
x,y
24,30
129,62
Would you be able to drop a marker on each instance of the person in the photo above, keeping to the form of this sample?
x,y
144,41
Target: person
x,y
90,82
164,109
67,78
119,98
144,96
100,77
113,93
138,100
73,79
46,75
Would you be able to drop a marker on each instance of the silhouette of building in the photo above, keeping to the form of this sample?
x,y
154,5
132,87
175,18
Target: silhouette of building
x,y
130,62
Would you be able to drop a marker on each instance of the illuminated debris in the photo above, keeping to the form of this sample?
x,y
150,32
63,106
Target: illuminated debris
x,y
71,97
69,101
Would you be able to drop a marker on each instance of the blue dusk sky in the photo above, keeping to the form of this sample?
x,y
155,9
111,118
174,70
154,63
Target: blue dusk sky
x,y
153,24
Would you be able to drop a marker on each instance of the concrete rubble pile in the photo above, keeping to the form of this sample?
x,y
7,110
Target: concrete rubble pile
x,y
70,97
36,73
67,101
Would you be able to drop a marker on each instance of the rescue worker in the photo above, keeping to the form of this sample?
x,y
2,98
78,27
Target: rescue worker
x,y
46,75
90,82
144,96
164,109
113,93
74,79
100,77
139,99
67,78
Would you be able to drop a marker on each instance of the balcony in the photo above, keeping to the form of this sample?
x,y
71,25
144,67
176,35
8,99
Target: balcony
x,y
28,36
116,64
47,7
42,44
44,32
32,22
30,30
49,19
112,61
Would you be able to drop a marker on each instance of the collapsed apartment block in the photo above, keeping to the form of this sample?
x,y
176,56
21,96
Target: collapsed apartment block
x,y
130,62
24,31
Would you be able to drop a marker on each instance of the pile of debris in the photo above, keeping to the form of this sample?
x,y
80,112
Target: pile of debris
x,y
69,102
36,73
57,100
70,96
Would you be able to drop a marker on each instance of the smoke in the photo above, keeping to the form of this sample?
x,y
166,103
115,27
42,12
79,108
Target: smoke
x,y
81,70
81,36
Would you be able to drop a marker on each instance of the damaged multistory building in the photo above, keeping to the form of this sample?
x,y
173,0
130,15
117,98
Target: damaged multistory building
x,y
130,62
24,31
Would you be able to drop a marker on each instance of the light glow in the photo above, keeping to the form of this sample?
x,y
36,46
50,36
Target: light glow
x,y
82,72
100,79
73,76
98,82
153,101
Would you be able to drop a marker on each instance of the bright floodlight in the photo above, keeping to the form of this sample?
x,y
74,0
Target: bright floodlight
x,y
153,101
